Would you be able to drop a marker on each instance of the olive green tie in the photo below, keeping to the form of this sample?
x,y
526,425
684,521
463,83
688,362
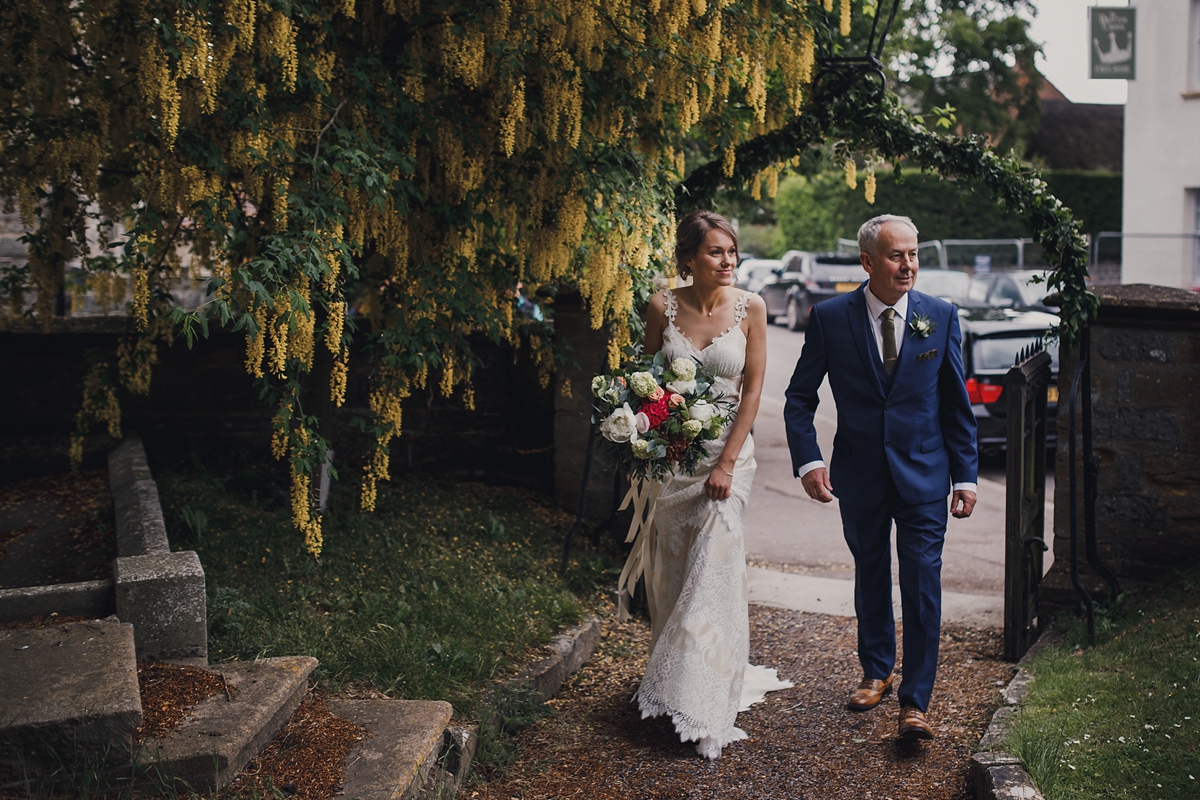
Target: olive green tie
x,y
889,339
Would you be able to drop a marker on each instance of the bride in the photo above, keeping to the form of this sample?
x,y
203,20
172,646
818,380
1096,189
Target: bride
x,y
698,671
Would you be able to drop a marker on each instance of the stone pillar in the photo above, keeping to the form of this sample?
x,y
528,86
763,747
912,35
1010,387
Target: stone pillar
x,y
1145,351
572,414
162,595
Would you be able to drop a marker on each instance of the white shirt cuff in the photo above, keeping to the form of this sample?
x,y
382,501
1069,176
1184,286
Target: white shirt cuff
x,y
965,487
809,467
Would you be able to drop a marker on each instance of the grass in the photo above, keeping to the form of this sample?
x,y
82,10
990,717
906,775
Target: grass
x,y
429,597
1120,719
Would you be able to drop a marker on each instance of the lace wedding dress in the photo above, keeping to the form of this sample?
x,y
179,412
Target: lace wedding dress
x,y
698,671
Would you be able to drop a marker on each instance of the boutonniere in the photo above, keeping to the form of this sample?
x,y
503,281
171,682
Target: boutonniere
x,y
921,325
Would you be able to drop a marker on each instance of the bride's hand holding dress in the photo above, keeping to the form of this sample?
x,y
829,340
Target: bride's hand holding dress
x,y
698,670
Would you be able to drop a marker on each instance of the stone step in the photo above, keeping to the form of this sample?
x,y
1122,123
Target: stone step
x,y
68,692
412,752
223,733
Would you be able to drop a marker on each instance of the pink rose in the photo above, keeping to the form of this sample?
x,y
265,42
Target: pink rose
x,y
656,395
676,400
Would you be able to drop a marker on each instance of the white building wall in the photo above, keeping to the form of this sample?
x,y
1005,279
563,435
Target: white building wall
x,y
1162,144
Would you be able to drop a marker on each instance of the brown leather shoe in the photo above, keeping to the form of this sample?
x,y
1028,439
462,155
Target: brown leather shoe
x,y
869,693
913,724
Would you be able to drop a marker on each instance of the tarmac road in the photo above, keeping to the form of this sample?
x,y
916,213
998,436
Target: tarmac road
x,y
786,529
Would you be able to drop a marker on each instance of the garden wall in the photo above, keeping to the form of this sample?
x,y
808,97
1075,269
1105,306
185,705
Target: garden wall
x,y
202,400
1145,351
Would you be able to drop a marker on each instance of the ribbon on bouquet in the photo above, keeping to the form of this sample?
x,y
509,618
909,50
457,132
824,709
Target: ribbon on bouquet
x,y
644,496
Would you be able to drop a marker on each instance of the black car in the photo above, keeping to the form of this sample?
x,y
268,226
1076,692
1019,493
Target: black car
x,y
992,337
805,280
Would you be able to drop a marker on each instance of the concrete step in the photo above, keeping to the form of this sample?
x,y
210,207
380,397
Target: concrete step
x,y
68,692
412,752
223,733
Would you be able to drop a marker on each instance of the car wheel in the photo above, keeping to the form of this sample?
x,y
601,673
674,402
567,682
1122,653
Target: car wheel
x,y
794,319
770,319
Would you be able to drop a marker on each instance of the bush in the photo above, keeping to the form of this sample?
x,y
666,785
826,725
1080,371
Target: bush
x,y
813,212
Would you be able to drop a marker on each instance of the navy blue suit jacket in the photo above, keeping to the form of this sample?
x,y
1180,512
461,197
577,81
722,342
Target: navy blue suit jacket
x,y
918,426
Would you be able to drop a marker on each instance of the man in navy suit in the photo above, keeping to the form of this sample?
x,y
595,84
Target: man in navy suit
x,y
905,440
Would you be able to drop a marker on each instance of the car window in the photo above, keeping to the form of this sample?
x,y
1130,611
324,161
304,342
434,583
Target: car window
x,y
979,288
1005,293
1036,292
942,282
1001,352
846,270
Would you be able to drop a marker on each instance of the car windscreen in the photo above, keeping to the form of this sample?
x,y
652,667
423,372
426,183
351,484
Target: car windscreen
x,y
833,271
1036,291
998,353
943,282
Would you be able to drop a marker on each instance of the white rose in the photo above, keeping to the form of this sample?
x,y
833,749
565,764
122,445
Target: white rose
x,y
681,386
702,410
621,425
642,422
684,369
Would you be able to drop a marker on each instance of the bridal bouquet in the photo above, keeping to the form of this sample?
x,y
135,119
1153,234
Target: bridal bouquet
x,y
655,416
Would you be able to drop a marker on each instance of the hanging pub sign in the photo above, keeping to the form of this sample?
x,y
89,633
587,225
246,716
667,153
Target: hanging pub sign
x,y
1112,34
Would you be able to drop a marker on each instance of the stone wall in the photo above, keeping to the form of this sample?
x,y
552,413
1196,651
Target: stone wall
x,y
202,399
1145,350
572,414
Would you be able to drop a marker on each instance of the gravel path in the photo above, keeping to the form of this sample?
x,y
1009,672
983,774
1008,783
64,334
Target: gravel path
x,y
803,743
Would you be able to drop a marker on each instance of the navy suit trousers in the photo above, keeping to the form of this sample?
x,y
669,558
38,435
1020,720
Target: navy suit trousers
x,y
920,533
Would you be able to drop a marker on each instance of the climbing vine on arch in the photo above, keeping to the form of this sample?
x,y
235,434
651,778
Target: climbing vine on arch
x,y
851,107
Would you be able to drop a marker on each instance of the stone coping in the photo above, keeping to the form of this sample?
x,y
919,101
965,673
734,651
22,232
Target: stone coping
x,y
1148,296
1143,301
997,775
162,592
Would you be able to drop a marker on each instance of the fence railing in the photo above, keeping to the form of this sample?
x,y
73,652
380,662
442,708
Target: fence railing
x,y
1025,386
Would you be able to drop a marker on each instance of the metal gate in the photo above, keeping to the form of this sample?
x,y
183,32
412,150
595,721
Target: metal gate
x,y
1025,386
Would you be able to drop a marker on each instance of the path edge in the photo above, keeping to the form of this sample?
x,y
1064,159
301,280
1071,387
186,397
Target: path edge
x,y
995,774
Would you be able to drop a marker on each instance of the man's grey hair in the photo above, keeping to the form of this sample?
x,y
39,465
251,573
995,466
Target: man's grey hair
x,y
868,234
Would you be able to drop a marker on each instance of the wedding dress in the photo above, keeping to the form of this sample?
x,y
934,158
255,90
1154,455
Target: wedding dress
x,y
698,671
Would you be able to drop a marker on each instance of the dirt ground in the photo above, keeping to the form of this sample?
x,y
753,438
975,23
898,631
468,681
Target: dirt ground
x,y
803,742
56,529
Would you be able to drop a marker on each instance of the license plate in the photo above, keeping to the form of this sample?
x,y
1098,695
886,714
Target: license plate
x,y
1051,394
847,286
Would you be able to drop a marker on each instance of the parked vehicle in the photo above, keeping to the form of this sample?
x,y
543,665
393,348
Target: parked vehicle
x,y
753,272
805,280
948,284
1017,289
783,291
992,338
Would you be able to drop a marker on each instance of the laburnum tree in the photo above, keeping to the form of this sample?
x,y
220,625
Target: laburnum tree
x,y
414,158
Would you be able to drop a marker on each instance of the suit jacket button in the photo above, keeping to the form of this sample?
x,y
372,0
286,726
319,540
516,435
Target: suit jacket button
x,y
888,443
887,407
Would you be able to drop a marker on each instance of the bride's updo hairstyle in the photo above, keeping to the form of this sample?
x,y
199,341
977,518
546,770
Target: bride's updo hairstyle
x,y
689,237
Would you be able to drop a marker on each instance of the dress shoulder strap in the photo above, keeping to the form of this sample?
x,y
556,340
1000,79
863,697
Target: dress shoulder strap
x,y
740,308
672,305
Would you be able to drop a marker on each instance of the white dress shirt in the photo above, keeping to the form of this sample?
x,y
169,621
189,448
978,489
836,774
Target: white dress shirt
x,y
875,309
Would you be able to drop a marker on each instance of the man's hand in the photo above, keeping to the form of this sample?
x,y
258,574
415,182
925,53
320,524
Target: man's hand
x,y
816,483
962,503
